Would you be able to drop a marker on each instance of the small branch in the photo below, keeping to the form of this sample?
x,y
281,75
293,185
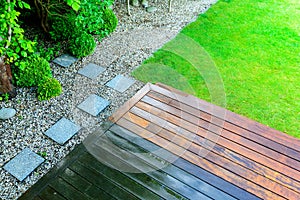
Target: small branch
x,y
9,26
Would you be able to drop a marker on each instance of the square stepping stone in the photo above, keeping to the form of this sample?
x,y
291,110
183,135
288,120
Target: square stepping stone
x,y
120,83
23,164
93,105
91,70
62,131
65,60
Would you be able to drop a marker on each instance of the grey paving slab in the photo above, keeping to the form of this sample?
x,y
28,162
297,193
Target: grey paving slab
x,y
62,130
91,70
23,164
65,60
93,105
120,83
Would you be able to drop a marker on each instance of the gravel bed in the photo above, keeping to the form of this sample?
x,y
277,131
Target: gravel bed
x,y
136,38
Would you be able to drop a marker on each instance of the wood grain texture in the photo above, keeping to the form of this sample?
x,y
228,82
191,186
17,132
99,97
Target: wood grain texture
x,y
244,149
226,125
241,170
131,102
203,163
241,151
238,120
174,132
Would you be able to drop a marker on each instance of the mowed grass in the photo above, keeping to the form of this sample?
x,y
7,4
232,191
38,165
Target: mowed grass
x,y
255,46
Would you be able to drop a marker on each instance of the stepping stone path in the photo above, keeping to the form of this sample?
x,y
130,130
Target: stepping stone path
x,y
26,161
6,113
93,105
65,60
23,164
91,71
120,83
62,131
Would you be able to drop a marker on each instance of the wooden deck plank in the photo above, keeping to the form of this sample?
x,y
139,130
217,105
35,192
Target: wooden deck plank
x,y
228,153
184,165
269,162
118,178
50,194
53,174
131,102
160,98
170,170
83,185
67,190
171,145
239,120
169,130
224,162
168,185
101,182
193,158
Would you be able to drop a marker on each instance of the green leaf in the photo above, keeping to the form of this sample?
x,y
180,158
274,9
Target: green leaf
x,y
24,53
75,6
26,5
20,4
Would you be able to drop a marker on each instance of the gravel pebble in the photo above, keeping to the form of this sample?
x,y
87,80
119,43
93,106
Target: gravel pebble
x,y
6,113
136,38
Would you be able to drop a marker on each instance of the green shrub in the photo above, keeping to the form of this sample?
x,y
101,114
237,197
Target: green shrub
x,y
110,22
82,44
90,15
63,27
49,88
31,71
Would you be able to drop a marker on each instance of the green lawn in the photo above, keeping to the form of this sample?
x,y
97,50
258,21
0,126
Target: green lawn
x,y
254,45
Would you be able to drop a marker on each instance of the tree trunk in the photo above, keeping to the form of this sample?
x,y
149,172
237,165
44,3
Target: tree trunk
x,y
6,79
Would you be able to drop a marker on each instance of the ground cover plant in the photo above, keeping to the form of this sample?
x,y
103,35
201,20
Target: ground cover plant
x,y
255,46
68,25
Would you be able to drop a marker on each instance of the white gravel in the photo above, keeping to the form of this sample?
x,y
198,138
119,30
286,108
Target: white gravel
x,y
136,38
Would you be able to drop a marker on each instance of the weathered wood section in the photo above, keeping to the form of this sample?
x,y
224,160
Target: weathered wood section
x,y
164,144
249,155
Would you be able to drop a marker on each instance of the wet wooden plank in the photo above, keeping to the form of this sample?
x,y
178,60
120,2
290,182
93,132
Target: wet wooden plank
x,y
101,184
67,190
169,169
84,186
223,162
202,139
184,165
117,178
225,124
43,183
152,176
238,120
234,145
141,173
193,158
50,194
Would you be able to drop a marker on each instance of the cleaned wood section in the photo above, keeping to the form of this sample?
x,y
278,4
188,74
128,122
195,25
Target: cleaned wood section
x,y
249,155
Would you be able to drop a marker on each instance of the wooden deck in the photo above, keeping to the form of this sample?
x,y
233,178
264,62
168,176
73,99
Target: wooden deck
x,y
183,148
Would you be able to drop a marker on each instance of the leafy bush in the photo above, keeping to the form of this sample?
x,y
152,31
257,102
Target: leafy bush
x,y
13,44
63,27
31,71
110,22
82,44
48,89
90,15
